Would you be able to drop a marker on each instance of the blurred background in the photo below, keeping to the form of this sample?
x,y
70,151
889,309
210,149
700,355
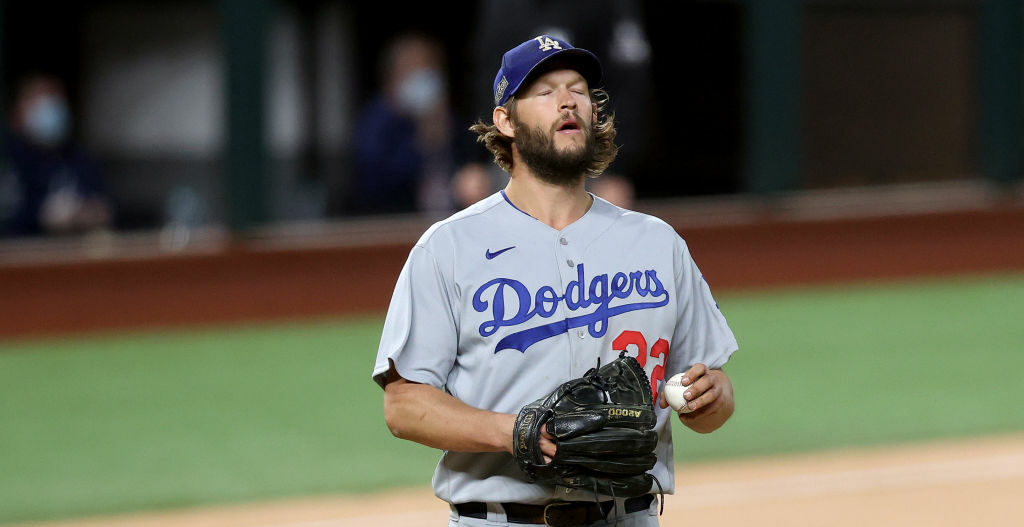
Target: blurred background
x,y
204,206
246,114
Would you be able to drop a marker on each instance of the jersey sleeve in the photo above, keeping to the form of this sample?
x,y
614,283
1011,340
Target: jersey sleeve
x,y
420,334
701,333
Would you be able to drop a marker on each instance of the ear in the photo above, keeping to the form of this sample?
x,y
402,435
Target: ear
x,y
594,117
501,119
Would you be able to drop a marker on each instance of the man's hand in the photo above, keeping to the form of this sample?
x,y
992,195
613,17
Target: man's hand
x,y
547,444
709,397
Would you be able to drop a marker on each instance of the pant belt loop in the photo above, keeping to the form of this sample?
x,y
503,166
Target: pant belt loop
x,y
496,514
618,509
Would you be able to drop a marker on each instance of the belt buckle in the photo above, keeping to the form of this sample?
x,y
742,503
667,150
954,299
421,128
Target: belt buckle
x,y
563,514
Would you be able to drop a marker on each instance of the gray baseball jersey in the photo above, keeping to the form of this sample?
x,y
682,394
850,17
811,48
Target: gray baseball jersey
x,y
498,309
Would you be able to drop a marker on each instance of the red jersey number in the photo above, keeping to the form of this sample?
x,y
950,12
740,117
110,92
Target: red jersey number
x,y
659,349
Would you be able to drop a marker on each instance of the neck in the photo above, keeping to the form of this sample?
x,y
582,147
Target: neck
x,y
558,206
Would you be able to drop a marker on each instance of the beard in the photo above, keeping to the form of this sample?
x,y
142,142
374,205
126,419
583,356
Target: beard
x,y
556,166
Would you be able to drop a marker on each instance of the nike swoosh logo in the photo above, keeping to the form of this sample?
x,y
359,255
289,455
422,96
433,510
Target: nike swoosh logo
x,y
491,256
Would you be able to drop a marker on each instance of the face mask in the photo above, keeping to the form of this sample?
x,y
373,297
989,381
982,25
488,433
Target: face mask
x,y
48,120
420,91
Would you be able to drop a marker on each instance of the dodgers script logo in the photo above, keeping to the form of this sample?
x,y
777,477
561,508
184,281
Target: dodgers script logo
x,y
601,292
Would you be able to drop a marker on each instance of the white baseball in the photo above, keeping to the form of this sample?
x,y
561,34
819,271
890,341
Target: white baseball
x,y
673,394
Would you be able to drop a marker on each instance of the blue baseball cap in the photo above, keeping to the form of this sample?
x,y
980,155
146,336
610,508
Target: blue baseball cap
x,y
520,61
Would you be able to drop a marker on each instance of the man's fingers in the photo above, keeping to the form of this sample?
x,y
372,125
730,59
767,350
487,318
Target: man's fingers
x,y
548,448
547,444
700,380
702,386
696,371
704,390
707,398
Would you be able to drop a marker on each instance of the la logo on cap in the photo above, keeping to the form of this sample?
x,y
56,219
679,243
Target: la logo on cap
x,y
547,44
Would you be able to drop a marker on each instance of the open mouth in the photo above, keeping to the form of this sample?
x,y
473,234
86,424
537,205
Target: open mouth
x,y
569,126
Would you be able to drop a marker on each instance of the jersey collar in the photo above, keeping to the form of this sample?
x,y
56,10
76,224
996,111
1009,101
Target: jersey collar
x,y
595,221
513,205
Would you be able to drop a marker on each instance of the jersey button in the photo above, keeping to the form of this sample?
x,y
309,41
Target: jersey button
x,y
563,241
570,263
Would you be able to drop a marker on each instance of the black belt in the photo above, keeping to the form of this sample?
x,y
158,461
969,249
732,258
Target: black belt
x,y
559,513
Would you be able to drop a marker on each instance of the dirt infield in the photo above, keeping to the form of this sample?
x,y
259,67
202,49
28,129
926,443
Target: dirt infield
x,y
954,483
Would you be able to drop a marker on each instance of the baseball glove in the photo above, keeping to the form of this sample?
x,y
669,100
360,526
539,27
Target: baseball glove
x,y
603,424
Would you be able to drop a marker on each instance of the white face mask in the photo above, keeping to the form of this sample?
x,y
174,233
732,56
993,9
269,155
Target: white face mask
x,y
420,91
48,120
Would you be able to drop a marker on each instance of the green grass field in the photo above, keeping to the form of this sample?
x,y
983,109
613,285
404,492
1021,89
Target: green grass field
x,y
122,422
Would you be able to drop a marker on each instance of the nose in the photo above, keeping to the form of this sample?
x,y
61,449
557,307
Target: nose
x,y
566,101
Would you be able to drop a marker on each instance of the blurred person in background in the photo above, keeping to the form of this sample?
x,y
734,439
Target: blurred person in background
x,y
405,150
54,188
474,182
614,188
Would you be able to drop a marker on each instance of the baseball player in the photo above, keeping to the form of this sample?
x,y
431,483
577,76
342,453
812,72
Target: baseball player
x,y
504,301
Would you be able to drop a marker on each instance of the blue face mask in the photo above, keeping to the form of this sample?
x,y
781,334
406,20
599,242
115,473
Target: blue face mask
x,y
48,121
420,91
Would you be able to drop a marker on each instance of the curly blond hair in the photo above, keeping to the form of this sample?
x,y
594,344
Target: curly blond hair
x,y
603,129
